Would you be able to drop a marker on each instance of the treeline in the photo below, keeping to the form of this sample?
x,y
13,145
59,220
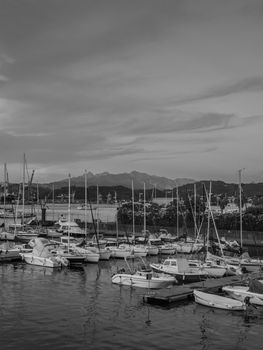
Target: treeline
x,y
252,219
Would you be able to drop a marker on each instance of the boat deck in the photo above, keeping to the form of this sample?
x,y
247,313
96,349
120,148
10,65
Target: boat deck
x,y
175,294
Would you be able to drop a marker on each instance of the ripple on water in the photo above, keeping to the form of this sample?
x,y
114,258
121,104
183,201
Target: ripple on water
x,y
81,308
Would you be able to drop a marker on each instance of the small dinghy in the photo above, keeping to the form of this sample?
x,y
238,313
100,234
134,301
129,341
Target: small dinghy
x,y
218,301
253,291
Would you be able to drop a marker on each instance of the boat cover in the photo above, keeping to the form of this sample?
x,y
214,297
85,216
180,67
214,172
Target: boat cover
x,y
41,247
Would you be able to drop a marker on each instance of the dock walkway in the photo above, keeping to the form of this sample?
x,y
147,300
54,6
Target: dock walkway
x,y
169,296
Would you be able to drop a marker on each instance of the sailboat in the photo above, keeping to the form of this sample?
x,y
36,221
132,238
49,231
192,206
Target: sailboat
x,y
24,235
138,249
69,250
104,254
216,266
119,250
247,263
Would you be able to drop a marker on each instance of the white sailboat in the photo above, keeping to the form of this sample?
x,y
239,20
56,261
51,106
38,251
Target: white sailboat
x,y
68,251
104,254
24,235
138,249
117,250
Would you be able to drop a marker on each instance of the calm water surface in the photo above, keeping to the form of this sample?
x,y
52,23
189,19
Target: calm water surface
x,y
82,309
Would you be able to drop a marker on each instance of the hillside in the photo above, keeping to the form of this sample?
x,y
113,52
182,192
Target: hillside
x,y
125,180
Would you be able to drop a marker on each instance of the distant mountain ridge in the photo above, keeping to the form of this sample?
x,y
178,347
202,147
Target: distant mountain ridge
x,y
125,180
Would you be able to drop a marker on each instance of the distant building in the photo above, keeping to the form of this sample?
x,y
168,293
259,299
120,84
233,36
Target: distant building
x,y
231,208
215,209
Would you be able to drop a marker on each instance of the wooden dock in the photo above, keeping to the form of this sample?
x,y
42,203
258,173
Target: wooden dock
x,y
175,294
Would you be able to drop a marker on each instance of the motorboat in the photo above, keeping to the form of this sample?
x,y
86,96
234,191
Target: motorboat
x,y
139,275
218,301
181,269
9,251
43,254
69,227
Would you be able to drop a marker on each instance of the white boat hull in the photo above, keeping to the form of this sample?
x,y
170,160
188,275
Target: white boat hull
x,y
218,302
142,281
241,292
51,262
152,250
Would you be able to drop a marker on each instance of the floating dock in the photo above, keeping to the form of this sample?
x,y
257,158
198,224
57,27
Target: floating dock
x,y
175,294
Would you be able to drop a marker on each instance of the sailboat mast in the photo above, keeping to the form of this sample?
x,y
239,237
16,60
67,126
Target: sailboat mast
x,y
53,202
195,226
209,214
68,209
133,219
177,211
240,207
97,211
5,180
144,209
23,189
85,208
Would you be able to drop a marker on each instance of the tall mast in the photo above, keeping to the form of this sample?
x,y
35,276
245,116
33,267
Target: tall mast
x,y
208,216
23,190
5,180
133,220
85,213
177,211
195,230
68,208
97,211
144,209
53,202
240,207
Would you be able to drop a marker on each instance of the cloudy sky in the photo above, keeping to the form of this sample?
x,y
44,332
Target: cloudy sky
x,y
168,87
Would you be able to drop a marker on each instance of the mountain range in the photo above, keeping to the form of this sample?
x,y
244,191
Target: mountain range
x,y
125,180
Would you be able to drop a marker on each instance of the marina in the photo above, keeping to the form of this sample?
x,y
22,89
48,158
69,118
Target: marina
x,y
80,308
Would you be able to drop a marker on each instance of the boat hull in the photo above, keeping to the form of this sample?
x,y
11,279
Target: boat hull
x,y
218,302
240,293
39,261
142,281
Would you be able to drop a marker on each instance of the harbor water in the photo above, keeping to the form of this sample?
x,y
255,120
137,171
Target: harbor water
x,y
81,309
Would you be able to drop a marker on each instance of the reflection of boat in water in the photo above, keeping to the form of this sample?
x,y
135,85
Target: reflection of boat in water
x,y
141,276
218,301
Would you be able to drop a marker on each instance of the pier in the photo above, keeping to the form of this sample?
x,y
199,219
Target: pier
x,y
179,293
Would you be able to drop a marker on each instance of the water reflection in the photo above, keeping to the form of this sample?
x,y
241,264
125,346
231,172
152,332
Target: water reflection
x,y
82,309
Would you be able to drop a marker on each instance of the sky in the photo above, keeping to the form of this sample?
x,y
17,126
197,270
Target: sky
x,y
171,88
